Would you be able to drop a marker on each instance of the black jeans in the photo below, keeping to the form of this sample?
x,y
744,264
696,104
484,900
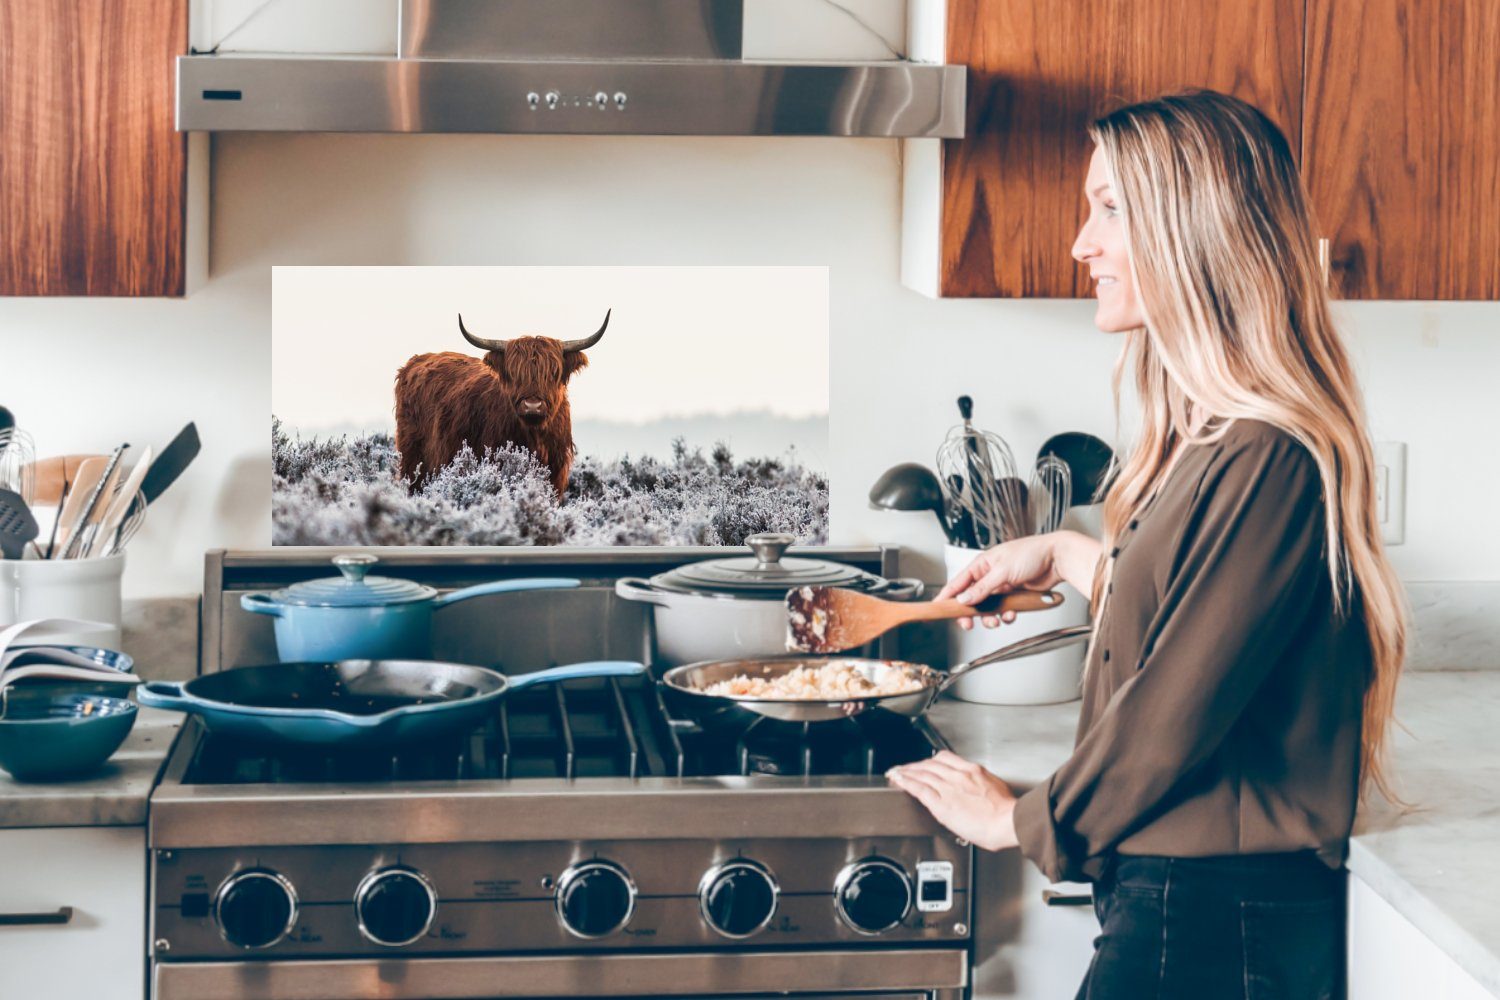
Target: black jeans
x,y
1255,926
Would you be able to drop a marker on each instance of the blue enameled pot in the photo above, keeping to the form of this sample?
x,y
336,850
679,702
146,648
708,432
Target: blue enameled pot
x,y
359,617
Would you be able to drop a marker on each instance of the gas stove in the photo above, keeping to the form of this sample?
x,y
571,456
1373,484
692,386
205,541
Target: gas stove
x,y
581,842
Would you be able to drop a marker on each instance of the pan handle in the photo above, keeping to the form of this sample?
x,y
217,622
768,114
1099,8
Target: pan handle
x,y
634,588
593,668
164,694
261,604
1046,642
506,587
902,588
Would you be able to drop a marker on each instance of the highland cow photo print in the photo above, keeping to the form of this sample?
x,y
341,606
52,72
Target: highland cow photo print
x,y
548,405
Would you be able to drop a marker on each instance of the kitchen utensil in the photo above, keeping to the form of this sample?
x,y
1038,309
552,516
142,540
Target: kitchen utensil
x,y
729,607
1013,494
1050,494
45,736
17,526
958,514
80,488
134,518
1089,459
18,463
980,459
831,620
685,686
174,458
355,702
911,486
93,506
119,506
355,617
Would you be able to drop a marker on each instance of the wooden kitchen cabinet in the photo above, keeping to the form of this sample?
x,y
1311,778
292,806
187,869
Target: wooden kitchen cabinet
x,y
93,176
99,873
1011,192
1389,104
1401,150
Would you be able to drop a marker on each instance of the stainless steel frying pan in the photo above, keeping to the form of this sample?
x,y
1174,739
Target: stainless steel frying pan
x,y
686,687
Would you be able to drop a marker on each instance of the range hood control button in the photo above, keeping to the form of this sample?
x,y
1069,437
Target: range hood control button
x,y
873,895
255,908
533,99
738,898
595,898
552,98
620,99
395,906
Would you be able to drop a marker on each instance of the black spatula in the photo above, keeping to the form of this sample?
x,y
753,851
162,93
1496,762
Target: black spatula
x,y
174,458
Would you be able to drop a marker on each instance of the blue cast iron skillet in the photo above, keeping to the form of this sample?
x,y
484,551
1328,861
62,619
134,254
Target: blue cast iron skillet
x,y
354,702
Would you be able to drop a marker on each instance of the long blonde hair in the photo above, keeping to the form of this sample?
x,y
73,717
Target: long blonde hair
x,y
1238,325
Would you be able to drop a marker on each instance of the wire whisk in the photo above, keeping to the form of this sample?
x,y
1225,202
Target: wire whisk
x,y
978,474
1050,494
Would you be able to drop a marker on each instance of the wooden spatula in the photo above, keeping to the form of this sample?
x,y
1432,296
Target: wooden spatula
x,y
833,619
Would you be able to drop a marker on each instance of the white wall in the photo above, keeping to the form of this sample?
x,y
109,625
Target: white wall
x,y
85,374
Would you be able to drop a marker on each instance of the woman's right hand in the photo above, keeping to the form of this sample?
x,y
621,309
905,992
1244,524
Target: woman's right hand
x,y
1028,563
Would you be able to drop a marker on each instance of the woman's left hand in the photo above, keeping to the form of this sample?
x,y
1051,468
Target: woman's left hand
x,y
962,796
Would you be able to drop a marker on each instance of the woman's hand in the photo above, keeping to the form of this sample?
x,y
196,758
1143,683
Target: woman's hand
x,y
1022,564
1036,562
962,796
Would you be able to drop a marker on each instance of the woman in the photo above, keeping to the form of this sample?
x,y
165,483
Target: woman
x,y
1249,630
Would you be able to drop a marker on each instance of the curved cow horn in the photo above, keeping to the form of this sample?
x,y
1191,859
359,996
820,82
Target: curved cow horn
x,y
590,341
480,342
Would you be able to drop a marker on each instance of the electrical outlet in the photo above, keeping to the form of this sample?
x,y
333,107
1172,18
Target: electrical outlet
x,y
1390,490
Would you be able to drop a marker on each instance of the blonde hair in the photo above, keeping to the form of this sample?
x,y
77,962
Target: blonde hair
x,y
1238,325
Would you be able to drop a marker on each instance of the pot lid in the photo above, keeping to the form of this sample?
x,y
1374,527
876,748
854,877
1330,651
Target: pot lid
x,y
353,589
764,575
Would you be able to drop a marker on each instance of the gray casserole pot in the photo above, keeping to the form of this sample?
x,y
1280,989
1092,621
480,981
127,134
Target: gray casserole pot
x,y
735,607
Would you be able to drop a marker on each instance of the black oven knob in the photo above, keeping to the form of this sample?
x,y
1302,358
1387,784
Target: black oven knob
x,y
873,895
595,898
255,908
395,906
738,898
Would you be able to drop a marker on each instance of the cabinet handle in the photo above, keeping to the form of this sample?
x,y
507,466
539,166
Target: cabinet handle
x,y
1325,259
63,915
1054,898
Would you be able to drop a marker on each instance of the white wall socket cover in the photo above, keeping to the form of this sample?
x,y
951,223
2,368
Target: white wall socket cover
x,y
1390,490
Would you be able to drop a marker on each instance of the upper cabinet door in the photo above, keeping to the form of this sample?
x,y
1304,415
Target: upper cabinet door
x,y
1012,199
92,174
1402,146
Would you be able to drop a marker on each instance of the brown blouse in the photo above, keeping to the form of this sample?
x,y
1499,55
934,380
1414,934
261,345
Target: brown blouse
x,y
1222,699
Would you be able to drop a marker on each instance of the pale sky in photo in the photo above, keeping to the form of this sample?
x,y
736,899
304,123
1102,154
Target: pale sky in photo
x,y
681,341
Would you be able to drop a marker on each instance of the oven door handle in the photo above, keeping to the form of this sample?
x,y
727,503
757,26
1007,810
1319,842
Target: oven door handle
x,y
63,915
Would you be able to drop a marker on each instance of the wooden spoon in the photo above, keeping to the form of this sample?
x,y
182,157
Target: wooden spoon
x,y
833,619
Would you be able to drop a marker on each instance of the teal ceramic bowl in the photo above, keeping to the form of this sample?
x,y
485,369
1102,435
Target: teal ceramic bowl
x,y
43,738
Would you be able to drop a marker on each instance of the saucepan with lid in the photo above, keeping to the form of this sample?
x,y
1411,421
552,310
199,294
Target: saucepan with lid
x,y
686,688
735,606
354,616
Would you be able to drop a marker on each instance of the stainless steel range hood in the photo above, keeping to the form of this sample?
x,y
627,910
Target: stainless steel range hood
x,y
569,67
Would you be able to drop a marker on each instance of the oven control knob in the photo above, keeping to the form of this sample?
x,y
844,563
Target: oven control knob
x,y
738,898
595,898
872,895
395,906
255,908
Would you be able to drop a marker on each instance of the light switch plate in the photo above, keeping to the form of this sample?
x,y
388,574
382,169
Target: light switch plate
x,y
1390,490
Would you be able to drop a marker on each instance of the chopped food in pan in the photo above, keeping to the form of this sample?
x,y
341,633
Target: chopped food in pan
x,y
836,681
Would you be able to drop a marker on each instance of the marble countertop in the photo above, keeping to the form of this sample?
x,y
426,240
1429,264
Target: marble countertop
x,y
1435,862
116,796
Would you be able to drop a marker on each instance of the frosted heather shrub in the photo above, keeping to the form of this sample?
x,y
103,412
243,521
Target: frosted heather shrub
x,y
343,491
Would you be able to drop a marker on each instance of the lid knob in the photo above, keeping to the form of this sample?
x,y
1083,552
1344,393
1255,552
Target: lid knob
x,y
769,547
354,566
